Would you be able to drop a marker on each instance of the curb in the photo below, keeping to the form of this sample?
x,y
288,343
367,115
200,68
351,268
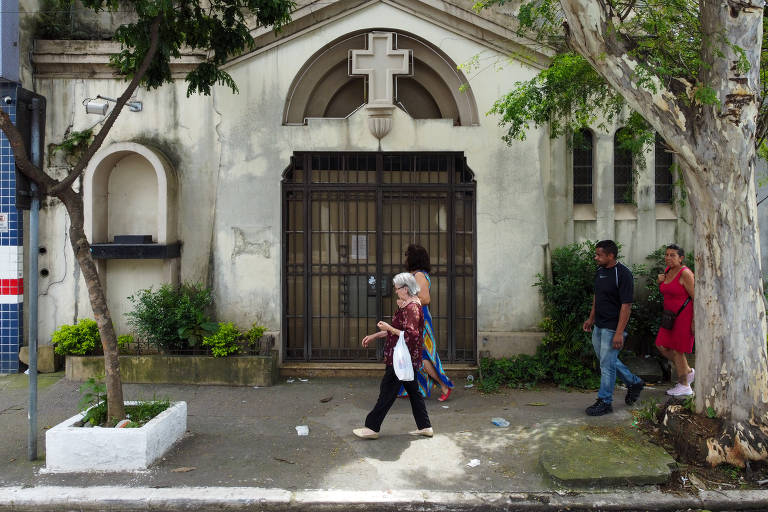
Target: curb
x,y
253,498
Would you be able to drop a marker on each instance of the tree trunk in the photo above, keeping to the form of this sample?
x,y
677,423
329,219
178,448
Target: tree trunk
x,y
115,405
732,369
715,147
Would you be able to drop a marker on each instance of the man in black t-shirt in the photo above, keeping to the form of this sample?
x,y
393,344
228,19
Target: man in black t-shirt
x,y
611,307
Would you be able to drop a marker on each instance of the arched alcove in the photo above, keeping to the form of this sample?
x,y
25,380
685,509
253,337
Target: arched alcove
x,y
97,194
323,87
129,191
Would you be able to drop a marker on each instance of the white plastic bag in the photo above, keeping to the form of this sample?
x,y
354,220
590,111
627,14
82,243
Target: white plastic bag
x,y
401,360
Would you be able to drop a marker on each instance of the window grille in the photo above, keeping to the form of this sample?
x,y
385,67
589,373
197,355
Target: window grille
x,y
622,172
663,172
582,167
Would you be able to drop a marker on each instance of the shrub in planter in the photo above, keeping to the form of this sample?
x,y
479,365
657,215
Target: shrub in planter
x,y
254,334
171,318
80,339
123,342
93,404
225,341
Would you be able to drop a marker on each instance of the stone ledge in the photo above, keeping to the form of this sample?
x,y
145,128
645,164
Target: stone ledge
x,y
198,370
47,360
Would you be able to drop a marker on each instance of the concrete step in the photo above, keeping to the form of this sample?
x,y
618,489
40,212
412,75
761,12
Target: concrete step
x,y
454,371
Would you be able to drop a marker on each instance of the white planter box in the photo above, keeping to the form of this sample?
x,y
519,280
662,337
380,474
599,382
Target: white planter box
x,y
75,449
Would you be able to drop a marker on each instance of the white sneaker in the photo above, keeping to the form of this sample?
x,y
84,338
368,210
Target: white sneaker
x,y
690,376
680,390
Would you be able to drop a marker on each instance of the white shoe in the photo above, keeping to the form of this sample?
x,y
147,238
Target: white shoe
x,y
365,433
426,432
690,376
680,390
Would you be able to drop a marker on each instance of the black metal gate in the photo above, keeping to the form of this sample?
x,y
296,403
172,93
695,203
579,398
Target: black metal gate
x,y
347,219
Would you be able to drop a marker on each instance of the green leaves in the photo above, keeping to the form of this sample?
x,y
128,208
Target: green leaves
x,y
225,341
80,339
171,318
567,95
219,28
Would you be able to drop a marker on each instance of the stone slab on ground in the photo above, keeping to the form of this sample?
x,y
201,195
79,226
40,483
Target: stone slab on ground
x,y
601,456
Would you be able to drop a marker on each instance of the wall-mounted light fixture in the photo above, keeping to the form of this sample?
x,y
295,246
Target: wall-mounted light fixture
x,y
93,106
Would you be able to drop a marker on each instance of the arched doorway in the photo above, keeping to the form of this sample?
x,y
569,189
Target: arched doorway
x,y
347,219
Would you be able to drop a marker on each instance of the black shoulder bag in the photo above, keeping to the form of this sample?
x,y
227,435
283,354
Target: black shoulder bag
x,y
668,317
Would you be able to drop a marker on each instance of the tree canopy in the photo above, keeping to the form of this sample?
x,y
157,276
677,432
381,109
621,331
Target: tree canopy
x,y
664,37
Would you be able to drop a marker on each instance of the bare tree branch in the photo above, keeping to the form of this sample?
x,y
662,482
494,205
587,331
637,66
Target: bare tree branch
x,y
43,181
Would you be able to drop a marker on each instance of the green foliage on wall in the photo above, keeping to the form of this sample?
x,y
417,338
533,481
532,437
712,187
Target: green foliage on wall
x,y
565,355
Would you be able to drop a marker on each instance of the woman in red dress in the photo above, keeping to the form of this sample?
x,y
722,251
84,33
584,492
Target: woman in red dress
x,y
676,285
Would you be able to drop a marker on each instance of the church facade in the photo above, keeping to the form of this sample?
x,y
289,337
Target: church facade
x,y
356,131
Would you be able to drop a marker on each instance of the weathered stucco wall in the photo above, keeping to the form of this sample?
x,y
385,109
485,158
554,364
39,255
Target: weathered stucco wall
x,y
228,152
511,228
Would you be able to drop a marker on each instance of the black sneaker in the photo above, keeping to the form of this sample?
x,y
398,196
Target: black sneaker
x,y
633,392
599,408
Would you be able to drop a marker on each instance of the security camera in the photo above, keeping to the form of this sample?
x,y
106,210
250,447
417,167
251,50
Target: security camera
x,y
7,100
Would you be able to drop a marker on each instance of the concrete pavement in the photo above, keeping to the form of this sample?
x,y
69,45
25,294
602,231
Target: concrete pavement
x,y
242,448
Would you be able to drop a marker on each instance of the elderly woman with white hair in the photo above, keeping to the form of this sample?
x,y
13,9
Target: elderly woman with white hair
x,y
408,319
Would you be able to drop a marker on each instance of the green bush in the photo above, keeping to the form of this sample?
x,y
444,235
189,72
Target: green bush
x,y
565,356
225,341
80,339
123,342
254,334
172,318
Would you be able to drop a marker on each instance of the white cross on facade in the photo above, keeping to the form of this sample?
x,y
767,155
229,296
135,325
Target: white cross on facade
x,y
380,63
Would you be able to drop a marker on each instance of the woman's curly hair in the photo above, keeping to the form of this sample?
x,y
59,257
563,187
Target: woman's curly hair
x,y
417,258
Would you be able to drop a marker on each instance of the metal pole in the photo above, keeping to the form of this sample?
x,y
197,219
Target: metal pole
x,y
34,223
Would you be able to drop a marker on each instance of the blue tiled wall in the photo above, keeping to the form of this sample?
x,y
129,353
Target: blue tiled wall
x,y
10,304
10,335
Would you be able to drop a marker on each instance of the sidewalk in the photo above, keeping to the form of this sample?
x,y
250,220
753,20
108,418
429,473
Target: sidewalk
x,y
244,438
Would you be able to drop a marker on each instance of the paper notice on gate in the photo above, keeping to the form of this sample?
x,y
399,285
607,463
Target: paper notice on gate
x,y
358,247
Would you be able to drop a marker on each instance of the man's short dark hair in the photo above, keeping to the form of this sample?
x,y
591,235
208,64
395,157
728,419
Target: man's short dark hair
x,y
675,247
609,247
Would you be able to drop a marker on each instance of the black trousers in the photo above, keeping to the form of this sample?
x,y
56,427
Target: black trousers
x,y
390,386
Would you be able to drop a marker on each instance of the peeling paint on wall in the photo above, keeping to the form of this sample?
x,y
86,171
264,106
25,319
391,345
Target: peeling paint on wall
x,y
245,244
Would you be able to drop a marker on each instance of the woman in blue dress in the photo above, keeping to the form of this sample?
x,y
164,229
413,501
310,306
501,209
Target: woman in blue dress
x,y
431,372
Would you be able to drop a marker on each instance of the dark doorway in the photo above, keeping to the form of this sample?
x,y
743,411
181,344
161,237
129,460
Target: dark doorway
x,y
347,219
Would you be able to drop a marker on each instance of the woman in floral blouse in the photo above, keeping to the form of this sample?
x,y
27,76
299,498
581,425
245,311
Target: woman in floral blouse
x,y
409,320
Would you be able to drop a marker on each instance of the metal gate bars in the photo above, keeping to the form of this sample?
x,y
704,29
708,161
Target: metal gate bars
x,y
347,220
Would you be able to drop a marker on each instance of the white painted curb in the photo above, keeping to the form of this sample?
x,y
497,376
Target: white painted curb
x,y
78,449
254,498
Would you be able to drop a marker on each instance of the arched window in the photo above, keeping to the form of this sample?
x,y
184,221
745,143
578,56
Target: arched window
x,y
663,172
582,167
622,171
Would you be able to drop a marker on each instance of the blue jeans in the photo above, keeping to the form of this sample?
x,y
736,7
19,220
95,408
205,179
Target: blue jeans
x,y
602,341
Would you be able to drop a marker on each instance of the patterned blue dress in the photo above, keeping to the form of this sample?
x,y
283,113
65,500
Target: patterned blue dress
x,y
429,352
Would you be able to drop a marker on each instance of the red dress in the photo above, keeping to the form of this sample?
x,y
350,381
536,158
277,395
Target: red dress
x,y
681,337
